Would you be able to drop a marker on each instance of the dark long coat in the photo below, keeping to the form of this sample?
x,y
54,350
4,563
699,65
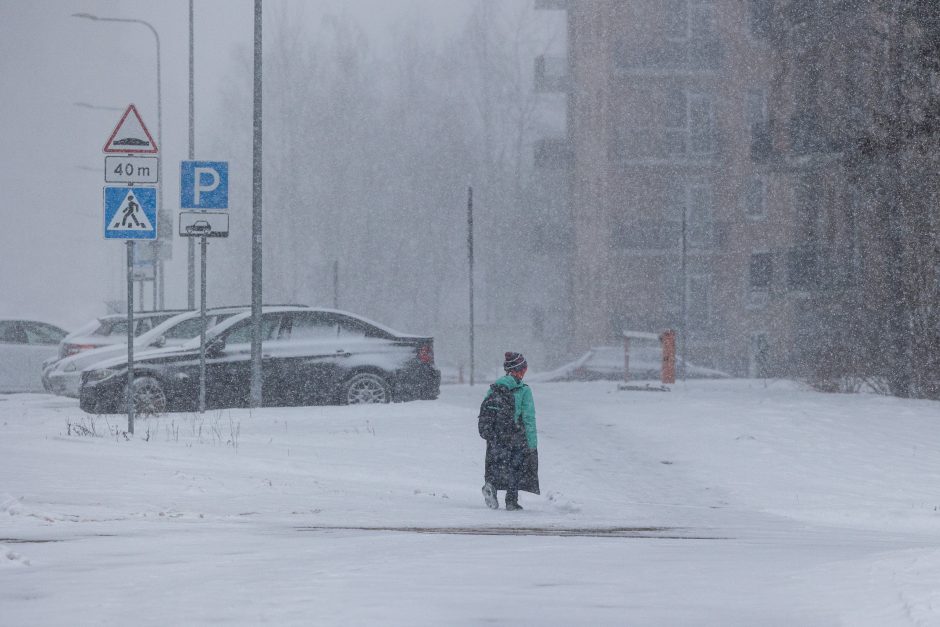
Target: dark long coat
x,y
512,468
515,467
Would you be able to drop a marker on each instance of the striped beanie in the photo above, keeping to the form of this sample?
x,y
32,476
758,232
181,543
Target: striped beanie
x,y
514,362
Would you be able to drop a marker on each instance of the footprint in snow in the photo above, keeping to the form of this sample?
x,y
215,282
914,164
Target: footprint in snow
x,y
562,504
9,557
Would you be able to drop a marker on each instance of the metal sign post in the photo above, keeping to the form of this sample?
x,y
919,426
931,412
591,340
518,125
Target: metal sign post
x,y
203,224
202,327
130,213
203,185
129,391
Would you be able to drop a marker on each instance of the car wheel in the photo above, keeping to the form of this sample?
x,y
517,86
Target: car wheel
x,y
366,387
149,397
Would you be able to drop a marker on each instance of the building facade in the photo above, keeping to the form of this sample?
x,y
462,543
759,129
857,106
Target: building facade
x,y
761,176
672,210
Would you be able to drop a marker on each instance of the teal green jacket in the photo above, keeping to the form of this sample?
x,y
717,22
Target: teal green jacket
x,y
525,407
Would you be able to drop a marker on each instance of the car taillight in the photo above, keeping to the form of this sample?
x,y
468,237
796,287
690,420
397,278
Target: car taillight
x,y
71,349
426,354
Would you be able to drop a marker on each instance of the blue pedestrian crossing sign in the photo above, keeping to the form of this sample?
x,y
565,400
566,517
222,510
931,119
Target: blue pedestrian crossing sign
x,y
204,185
130,213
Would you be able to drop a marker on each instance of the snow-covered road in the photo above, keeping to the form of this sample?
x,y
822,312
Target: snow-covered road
x,y
719,503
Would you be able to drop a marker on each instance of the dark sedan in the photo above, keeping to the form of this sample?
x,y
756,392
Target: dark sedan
x,y
309,356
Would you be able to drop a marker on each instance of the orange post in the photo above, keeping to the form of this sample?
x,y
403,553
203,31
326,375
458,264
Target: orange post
x,y
668,340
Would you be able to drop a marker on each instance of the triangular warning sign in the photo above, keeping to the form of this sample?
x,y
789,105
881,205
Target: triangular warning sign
x,y
130,135
130,216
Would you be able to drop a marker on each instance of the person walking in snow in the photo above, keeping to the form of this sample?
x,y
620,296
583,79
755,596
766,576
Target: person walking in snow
x,y
507,422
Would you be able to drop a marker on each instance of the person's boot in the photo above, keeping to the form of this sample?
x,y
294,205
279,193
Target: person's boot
x,y
512,501
489,495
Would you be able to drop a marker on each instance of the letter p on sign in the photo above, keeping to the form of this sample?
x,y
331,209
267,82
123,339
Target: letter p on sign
x,y
204,185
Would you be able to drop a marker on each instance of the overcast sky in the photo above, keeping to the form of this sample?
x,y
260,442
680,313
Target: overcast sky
x,y
57,266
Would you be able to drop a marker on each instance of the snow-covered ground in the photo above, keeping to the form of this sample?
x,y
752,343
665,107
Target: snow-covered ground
x,y
718,503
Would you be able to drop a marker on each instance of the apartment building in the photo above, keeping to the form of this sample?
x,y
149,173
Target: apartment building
x,y
673,210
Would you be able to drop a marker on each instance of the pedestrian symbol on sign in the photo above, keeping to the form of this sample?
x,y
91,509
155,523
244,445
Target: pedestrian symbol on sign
x,y
130,213
130,216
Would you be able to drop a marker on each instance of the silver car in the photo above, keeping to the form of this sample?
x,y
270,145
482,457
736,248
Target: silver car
x,y
64,377
24,345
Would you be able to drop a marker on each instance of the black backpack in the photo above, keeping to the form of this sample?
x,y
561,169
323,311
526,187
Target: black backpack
x,y
497,417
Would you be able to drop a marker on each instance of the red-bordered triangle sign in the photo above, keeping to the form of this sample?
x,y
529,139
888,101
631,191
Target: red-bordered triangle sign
x,y
131,135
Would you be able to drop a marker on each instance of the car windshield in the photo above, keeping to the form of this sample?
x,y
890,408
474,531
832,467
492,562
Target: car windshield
x,y
221,326
111,326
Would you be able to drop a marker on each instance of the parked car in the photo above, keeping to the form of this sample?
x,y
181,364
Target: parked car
x,y
605,363
309,356
64,376
24,345
112,329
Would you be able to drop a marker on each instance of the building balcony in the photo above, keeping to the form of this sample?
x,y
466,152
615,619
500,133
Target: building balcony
x,y
666,146
551,74
692,55
651,236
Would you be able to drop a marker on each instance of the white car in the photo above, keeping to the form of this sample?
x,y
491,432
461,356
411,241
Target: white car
x,y
64,377
24,344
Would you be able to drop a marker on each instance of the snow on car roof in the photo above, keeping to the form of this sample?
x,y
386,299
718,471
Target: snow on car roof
x,y
284,308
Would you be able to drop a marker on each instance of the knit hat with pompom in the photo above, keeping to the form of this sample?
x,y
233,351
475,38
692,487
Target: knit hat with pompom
x,y
514,362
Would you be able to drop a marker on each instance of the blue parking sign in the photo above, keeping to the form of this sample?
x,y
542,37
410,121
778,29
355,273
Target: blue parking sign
x,y
204,185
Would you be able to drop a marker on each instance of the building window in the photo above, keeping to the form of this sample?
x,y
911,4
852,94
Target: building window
x,y
677,19
802,268
689,19
645,235
761,272
675,120
756,107
688,121
702,20
760,277
693,200
760,13
699,216
755,197
701,124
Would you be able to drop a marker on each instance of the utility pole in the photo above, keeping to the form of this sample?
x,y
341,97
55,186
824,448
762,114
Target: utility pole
x,y
683,342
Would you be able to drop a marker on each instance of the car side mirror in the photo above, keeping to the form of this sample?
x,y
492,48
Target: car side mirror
x,y
160,342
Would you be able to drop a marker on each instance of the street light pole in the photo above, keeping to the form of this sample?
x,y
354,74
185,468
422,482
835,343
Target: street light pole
x,y
158,244
191,243
470,263
256,222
